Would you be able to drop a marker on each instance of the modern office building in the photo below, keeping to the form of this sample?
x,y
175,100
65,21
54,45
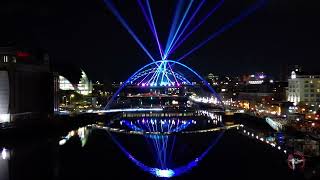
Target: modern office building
x,y
26,84
304,88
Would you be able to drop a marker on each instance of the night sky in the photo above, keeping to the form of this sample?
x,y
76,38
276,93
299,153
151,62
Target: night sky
x,y
85,33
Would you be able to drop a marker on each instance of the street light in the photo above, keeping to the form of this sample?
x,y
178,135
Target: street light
x,y
71,96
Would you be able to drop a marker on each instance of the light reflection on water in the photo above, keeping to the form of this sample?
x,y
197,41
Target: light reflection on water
x,y
4,164
157,133
162,144
82,132
34,157
161,134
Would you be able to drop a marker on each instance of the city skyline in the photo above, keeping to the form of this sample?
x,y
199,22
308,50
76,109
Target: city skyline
x,y
159,89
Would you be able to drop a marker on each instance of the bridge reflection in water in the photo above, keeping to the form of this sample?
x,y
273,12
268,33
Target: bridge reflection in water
x,y
258,153
172,146
160,130
162,135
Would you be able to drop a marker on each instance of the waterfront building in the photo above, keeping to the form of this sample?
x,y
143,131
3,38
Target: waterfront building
x,y
26,84
304,88
85,85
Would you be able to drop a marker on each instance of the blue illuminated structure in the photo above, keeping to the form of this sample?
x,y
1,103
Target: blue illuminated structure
x,y
161,126
129,80
180,25
171,78
161,143
214,9
185,27
116,13
151,24
171,40
233,22
164,73
164,171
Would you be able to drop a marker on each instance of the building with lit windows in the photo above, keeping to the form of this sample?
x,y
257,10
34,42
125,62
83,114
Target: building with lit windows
x,y
257,78
85,85
65,84
26,84
213,79
74,89
304,88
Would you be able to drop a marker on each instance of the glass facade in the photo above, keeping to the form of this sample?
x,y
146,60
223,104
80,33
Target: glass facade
x,y
65,84
84,86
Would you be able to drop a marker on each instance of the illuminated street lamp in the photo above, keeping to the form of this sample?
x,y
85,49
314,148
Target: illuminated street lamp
x,y
71,96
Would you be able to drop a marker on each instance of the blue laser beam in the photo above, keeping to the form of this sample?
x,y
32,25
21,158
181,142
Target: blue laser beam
x,y
178,29
147,75
155,29
235,21
160,62
151,25
173,74
116,13
226,27
164,171
214,9
187,25
174,22
162,75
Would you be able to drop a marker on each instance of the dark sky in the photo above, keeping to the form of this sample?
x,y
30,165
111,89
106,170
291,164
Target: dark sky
x,y
84,32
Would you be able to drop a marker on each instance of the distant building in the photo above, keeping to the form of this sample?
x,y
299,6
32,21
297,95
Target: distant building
x,y
65,84
74,90
257,78
26,84
213,79
304,88
85,85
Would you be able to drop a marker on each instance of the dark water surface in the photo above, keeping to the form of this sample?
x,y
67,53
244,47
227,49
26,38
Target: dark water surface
x,y
235,156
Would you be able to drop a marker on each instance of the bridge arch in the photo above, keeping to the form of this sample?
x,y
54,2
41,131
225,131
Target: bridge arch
x,y
128,81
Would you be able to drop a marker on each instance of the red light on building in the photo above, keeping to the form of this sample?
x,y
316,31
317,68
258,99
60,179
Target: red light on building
x,y
23,54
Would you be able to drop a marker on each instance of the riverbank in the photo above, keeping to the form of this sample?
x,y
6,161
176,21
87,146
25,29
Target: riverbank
x,y
44,127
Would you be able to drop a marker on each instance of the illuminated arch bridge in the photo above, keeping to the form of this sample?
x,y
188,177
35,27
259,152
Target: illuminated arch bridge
x,y
160,76
161,73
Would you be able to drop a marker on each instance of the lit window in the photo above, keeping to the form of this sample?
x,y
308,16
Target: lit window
x,y
5,59
65,84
